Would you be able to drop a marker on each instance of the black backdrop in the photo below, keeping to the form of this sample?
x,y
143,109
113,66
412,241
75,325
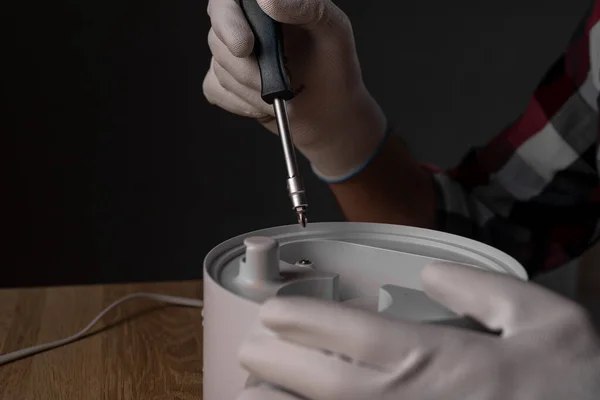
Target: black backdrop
x,y
116,169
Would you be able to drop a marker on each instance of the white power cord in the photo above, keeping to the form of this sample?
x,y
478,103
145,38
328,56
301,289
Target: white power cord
x,y
163,298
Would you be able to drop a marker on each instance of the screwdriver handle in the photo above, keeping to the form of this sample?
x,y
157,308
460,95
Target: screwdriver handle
x,y
268,50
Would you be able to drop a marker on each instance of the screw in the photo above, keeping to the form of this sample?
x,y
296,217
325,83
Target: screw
x,y
304,262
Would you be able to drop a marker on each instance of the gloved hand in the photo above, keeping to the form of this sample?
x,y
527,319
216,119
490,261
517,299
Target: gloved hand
x,y
335,122
548,349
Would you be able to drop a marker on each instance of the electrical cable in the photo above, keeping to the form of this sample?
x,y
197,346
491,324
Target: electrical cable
x,y
163,298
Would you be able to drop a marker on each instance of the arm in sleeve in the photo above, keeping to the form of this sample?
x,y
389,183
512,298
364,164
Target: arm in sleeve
x,y
534,190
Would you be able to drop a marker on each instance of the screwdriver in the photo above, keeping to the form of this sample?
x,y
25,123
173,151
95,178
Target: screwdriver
x,y
276,90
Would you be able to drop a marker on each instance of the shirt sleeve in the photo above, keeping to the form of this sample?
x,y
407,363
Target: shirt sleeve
x,y
534,190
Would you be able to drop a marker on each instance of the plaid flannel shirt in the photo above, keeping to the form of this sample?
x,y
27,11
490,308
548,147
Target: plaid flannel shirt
x,y
534,190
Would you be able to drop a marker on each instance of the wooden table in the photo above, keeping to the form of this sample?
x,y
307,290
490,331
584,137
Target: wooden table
x,y
142,350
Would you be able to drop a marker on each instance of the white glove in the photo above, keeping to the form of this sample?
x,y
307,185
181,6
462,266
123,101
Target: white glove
x,y
336,123
548,349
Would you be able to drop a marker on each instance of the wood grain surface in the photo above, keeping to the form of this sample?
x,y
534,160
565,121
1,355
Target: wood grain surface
x,y
141,350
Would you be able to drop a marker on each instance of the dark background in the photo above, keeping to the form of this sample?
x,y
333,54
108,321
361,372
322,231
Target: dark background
x,y
115,168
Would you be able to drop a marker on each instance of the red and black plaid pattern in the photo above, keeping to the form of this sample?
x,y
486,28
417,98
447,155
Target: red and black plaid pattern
x,y
534,190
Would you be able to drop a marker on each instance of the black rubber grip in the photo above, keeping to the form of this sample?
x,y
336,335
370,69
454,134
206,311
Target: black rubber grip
x,y
268,49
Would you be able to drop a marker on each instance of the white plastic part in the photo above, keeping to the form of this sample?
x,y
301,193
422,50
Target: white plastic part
x,y
261,274
261,262
410,304
373,266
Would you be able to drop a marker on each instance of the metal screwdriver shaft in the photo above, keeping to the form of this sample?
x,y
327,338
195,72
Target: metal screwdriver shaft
x,y
276,90
294,183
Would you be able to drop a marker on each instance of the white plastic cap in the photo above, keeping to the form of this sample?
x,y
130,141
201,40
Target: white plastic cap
x,y
261,262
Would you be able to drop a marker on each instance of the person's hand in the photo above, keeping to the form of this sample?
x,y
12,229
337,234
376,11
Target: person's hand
x,y
547,350
335,122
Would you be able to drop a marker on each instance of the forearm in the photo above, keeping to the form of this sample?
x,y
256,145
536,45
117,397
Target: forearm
x,y
532,192
393,189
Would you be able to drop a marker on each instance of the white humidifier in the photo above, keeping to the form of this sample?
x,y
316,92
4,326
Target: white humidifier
x,y
375,266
